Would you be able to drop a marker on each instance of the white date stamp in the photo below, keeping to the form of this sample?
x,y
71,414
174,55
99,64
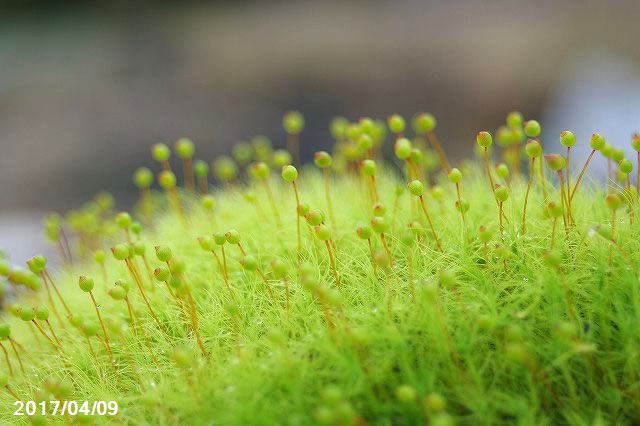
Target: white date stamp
x,y
65,408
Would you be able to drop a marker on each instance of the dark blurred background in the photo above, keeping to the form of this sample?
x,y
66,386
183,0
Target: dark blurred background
x,y
87,87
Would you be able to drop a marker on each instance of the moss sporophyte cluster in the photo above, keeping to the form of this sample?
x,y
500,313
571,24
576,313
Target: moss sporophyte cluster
x,y
347,291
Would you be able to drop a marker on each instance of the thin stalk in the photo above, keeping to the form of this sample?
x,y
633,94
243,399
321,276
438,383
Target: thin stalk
x,y
6,358
66,308
581,175
194,322
433,230
293,146
569,179
224,276
224,262
53,306
53,333
332,261
104,329
12,393
187,170
295,191
526,196
630,201
45,335
487,169
259,271
433,140
464,221
272,202
15,351
638,175
383,239
543,182
136,278
374,190
373,260
500,217
203,185
285,281
327,195
553,231
412,286
565,202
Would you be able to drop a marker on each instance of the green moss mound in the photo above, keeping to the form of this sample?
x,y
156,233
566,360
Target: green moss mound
x,y
497,327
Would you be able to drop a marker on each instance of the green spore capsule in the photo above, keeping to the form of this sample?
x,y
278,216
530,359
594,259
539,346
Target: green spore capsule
x,y
501,193
365,142
379,225
315,217
369,168
338,128
201,169
279,269
514,120
416,188
323,232
555,162
322,159
123,220
249,262
289,173
281,158
208,202
117,293
143,178
167,180
533,148
396,123
402,148
160,152
5,331
435,403
364,232
225,169
567,138
379,209
184,148
614,201
484,139
232,236
423,123
27,314
163,253
455,175
99,256
293,122
121,252
219,238
617,155
86,284
303,209
162,274
406,394
625,166
242,152
502,170
597,141
532,129
635,141
260,170
42,313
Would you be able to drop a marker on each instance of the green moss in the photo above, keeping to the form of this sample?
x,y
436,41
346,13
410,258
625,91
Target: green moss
x,y
492,329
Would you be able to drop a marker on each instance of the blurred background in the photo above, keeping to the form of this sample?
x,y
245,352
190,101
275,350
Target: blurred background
x,y
87,87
